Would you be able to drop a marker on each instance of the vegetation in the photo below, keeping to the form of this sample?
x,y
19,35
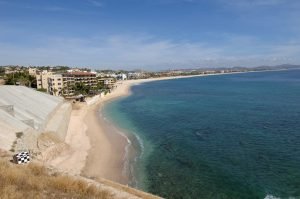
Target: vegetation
x,y
20,78
2,71
42,90
81,88
60,68
127,189
33,181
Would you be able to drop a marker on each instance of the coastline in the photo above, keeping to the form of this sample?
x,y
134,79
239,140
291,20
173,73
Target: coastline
x,y
105,158
111,151
97,147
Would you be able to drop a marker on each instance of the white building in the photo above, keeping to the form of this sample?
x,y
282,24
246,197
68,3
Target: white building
x,y
122,76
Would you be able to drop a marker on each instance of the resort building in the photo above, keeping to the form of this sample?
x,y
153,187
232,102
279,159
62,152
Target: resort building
x,y
135,75
42,79
55,84
107,82
70,80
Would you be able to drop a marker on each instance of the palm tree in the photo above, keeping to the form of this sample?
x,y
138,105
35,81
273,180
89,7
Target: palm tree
x,y
81,88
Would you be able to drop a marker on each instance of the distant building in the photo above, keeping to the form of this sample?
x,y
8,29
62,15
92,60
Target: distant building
x,y
32,71
107,82
135,75
70,79
122,76
74,70
42,79
55,84
15,69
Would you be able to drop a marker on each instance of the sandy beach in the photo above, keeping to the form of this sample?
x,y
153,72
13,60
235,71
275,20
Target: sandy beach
x,y
107,156
96,147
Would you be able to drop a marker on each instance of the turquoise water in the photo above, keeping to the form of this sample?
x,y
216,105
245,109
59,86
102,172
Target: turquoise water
x,y
228,136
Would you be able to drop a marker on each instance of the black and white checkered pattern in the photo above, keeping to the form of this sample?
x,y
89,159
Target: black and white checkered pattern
x,y
24,153
22,158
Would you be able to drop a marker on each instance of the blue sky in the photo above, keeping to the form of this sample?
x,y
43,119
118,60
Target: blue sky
x,y
149,34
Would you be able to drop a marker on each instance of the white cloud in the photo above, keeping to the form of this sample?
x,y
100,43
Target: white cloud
x,y
145,52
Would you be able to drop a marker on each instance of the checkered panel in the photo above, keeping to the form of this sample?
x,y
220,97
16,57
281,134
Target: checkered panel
x,y
22,158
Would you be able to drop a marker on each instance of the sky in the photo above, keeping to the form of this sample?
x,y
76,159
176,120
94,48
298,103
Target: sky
x,y
149,34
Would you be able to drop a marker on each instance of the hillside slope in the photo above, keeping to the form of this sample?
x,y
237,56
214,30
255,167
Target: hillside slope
x,y
34,180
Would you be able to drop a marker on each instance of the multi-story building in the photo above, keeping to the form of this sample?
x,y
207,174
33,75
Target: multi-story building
x,y
42,79
122,76
70,80
55,84
66,84
107,82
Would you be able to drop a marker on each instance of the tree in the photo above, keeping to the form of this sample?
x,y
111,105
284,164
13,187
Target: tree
x,y
2,71
23,81
100,85
32,81
81,88
22,78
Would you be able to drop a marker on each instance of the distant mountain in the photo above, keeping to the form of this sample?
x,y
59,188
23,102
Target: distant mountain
x,y
278,67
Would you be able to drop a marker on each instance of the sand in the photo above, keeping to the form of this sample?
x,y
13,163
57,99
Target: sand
x,y
107,156
73,158
96,147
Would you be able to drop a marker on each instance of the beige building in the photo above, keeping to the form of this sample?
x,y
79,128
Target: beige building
x,y
63,84
32,71
107,82
55,84
70,79
42,79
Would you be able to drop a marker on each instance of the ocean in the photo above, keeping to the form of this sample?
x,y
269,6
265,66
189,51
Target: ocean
x,y
224,136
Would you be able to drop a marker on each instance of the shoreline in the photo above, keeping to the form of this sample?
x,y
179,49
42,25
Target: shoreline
x,y
100,150
112,153
106,155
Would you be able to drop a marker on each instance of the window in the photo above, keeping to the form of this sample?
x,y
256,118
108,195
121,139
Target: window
x,y
59,83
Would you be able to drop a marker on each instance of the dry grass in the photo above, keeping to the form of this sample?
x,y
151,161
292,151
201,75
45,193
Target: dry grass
x,y
127,189
33,181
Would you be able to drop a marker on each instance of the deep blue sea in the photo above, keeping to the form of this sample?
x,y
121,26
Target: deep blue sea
x,y
226,136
